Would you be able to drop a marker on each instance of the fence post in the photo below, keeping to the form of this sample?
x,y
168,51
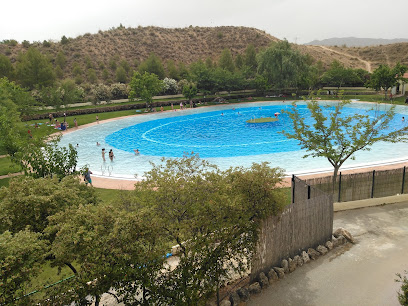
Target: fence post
x,y
339,186
308,192
403,181
293,188
372,187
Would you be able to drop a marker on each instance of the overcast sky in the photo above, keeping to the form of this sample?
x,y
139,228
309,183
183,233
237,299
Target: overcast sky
x,y
298,21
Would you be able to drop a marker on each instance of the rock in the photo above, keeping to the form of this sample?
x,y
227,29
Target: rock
x,y
292,265
254,288
313,254
225,303
263,280
305,257
285,265
243,294
280,272
329,245
272,276
298,260
345,233
234,299
341,240
322,250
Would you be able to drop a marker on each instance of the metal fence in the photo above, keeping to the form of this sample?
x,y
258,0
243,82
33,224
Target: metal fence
x,y
306,222
359,186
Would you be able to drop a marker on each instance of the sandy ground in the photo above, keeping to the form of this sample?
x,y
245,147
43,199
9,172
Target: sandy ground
x,y
360,274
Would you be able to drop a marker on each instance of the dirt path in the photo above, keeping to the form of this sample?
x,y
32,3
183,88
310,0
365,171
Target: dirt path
x,y
366,63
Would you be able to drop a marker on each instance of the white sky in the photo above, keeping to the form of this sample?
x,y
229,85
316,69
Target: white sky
x,y
296,20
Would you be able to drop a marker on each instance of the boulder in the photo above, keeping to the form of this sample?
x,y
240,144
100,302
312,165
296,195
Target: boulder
x,y
243,294
329,245
263,280
322,250
254,288
298,260
285,265
272,276
345,233
292,265
280,272
313,254
234,299
305,257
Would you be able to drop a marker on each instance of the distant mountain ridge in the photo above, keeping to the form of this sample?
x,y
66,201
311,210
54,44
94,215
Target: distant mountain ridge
x,y
356,42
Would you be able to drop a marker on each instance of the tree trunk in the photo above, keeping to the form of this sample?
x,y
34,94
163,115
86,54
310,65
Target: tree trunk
x,y
97,300
336,171
71,267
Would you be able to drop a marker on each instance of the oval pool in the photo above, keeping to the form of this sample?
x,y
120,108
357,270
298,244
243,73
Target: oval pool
x,y
220,134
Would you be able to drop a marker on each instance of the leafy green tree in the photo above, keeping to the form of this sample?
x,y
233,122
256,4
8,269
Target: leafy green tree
x,y
144,86
22,98
49,160
172,71
91,75
239,61
21,255
64,40
338,75
76,70
281,65
385,77
226,62
121,75
113,63
59,73
108,248
125,65
6,68
250,60
190,91
88,62
152,64
203,77
61,60
34,69
326,133
178,194
71,92
28,202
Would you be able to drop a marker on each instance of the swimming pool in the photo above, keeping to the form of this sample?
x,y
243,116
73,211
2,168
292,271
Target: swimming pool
x,y
220,134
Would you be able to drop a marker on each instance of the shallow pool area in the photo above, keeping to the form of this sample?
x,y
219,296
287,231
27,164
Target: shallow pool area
x,y
220,134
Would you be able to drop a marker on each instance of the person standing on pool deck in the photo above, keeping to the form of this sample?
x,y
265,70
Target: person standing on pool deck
x,y
111,155
97,119
87,177
75,123
103,154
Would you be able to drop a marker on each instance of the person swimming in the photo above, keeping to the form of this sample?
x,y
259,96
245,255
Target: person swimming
x,y
136,151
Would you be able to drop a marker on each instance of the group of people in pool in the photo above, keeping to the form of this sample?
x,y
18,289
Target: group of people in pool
x,y
112,156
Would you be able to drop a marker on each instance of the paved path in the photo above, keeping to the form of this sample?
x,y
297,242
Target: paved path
x,y
361,274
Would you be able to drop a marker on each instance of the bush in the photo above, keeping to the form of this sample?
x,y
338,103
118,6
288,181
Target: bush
x,y
119,91
64,40
46,44
26,44
100,92
403,294
169,86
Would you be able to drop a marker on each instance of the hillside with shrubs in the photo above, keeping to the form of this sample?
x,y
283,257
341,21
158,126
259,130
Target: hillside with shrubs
x,y
98,67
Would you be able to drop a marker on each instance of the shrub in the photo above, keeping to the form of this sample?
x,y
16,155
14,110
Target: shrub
x,y
119,91
169,86
46,44
100,92
26,44
64,40
403,294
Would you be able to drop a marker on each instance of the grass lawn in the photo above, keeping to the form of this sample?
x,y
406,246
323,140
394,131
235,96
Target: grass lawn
x,y
6,166
4,182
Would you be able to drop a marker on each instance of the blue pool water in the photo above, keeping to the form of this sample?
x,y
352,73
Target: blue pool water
x,y
219,134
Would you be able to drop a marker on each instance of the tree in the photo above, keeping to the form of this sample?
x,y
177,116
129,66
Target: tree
x,y
281,65
28,202
144,86
6,68
384,77
91,75
34,69
121,75
169,86
338,75
61,60
153,64
107,248
250,59
12,133
49,160
189,91
324,132
226,62
172,71
212,215
21,255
